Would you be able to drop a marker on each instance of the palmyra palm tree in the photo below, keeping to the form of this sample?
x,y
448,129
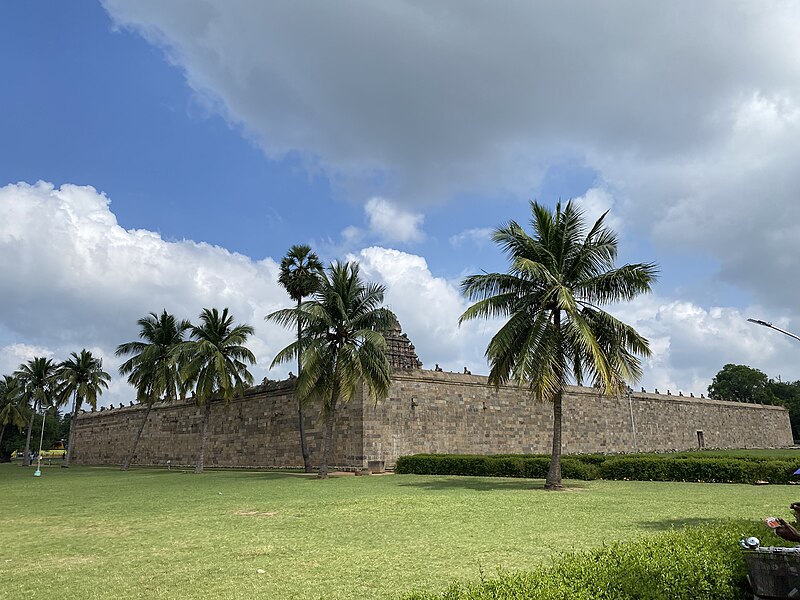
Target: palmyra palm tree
x,y
37,378
154,366
299,276
559,277
216,364
342,342
11,408
82,378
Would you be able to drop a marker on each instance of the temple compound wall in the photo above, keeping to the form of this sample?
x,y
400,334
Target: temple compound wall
x,y
427,411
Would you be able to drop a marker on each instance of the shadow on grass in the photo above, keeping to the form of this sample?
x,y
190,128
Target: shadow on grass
x,y
229,473
483,484
667,524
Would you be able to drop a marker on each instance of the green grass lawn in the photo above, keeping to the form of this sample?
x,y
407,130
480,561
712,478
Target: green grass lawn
x,y
98,533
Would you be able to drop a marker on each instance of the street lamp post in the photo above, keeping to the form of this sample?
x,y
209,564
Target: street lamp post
x,y
771,326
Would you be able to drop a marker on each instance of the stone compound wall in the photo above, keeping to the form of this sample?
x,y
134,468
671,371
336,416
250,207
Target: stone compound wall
x,y
426,411
259,430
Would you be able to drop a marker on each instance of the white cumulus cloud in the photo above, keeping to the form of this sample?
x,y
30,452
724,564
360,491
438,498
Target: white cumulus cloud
x,y
391,223
76,279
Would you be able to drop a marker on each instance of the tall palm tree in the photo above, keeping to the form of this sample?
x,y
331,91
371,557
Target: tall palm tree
x,y
559,277
300,273
154,366
342,342
11,409
216,364
82,378
38,380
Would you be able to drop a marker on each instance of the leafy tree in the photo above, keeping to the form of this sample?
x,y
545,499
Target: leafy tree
x,y
153,368
216,364
741,383
11,410
14,439
788,395
82,378
299,276
558,278
342,342
38,380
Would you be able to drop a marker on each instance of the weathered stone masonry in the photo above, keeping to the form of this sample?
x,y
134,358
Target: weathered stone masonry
x,y
426,411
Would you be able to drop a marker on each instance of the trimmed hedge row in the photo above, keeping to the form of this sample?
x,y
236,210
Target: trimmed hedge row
x,y
698,563
710,470
646,467
533,467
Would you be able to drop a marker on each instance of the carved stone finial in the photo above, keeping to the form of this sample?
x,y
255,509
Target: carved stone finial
x,y
467,371
437,368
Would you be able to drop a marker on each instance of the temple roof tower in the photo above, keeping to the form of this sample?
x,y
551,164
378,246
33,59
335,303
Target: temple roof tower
x,y
401,352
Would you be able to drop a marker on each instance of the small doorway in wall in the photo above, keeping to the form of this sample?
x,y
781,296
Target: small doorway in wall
x,y
701,442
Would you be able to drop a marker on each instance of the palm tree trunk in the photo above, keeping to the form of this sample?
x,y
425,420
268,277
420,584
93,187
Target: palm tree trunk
x,y
553,481
26,458
327,440
126,465
71,442
2,433
203,438
301,416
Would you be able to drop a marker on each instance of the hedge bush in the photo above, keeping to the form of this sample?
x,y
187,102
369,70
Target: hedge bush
x,y
695,563
644,467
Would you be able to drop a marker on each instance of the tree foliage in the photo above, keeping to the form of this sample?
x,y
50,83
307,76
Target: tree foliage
x,y
555,331
38,378
215,363
154,365
741,383
342,342
300,274
82,378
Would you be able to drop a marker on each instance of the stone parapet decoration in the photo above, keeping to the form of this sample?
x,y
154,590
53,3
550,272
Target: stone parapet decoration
x,y
427,411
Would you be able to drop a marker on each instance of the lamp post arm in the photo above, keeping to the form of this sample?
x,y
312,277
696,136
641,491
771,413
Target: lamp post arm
x,y
771,326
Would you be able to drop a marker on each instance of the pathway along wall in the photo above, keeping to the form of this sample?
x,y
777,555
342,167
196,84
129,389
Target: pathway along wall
x,y
426,411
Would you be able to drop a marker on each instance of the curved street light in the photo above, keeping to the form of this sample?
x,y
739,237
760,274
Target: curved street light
x,y
771,326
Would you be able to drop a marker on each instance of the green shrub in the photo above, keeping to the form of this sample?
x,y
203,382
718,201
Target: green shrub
x,y
635,467
694,563
710,470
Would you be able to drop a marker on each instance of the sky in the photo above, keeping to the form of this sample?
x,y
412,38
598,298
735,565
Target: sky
x,y
166,155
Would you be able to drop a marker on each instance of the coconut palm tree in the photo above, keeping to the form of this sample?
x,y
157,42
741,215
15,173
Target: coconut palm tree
x,y
37,378
559,277
82,378
154,366
11,409
216,365
342,342
300,273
